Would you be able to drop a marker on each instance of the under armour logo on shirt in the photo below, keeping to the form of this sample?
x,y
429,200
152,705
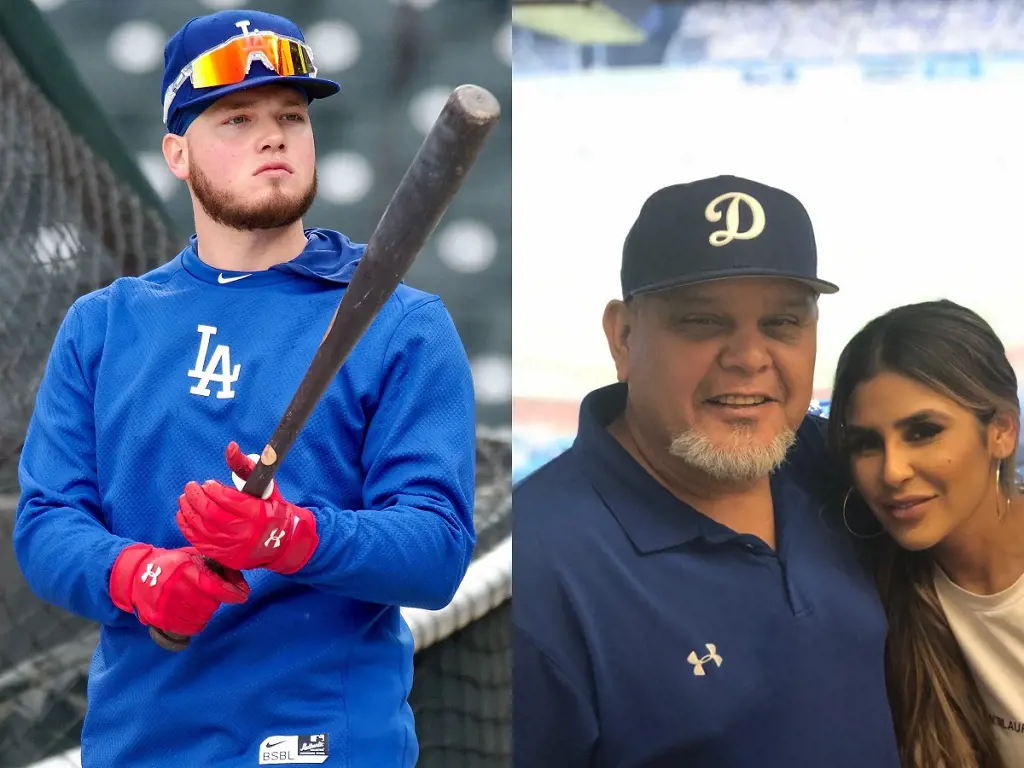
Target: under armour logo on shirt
x,y
151,574
698,663
274,540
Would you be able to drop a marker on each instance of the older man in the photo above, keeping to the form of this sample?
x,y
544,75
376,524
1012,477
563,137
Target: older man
x,y
679,599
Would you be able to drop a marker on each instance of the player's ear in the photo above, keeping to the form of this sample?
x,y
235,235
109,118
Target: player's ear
x,y
175,150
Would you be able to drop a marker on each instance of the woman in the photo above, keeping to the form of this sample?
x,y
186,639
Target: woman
x,y
926,416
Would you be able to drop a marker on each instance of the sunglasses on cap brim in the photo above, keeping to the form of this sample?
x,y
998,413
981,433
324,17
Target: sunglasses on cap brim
x,y
229,62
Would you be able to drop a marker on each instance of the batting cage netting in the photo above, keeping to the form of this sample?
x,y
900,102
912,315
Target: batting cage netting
x,y
72,219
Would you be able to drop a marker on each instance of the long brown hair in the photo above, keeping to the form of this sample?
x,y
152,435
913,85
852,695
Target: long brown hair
x,y
939,715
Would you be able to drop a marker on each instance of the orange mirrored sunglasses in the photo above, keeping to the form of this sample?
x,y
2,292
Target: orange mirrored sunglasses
x,y
229,62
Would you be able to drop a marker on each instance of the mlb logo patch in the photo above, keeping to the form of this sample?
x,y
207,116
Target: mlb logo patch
x,y
313,744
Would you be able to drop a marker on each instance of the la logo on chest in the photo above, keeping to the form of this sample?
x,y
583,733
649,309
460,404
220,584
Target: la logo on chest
x,y
213,367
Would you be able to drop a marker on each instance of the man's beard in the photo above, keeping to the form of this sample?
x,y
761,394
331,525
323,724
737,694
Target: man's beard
x,y
271,212
738,461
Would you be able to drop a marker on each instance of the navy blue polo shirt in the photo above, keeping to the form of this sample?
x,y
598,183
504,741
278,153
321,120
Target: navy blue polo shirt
x,y
648,635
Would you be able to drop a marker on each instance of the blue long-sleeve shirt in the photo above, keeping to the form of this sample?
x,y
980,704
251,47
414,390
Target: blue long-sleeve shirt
x,y
147,381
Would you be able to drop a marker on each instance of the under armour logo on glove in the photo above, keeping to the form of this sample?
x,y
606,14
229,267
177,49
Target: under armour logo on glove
x,y
171,589
242,531
152,573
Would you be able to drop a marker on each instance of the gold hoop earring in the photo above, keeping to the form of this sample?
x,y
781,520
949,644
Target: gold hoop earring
x,y
1001,513
846,522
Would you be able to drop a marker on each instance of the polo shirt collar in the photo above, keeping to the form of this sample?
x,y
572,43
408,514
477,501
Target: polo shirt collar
x,y
651,516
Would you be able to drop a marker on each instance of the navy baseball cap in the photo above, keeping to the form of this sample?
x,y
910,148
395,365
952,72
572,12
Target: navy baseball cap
x,y
718,228
229,51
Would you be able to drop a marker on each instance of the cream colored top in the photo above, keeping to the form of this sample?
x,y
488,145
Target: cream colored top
x,y
990,630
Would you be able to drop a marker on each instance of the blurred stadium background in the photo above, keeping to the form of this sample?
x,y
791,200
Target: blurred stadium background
x,y
85,198
893,120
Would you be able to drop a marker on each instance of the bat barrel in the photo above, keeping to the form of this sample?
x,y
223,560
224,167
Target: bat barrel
x,y
477,103
435,175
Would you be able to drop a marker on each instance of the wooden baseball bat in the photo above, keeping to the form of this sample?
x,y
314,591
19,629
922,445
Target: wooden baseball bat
x,y
420,200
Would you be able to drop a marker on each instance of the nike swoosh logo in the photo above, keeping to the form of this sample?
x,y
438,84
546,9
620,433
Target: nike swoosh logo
x,y
225,280
282,741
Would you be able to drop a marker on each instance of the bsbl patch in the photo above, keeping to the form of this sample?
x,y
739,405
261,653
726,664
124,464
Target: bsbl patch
x,y
304,749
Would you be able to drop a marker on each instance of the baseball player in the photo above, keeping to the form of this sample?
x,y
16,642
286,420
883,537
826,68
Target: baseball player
x,y
156,384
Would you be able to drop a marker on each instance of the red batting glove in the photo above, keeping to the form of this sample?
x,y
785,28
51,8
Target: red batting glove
x,y
171,589
241,531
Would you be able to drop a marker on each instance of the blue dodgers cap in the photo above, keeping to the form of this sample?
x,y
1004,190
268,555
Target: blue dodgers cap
x,y
204,33
717,228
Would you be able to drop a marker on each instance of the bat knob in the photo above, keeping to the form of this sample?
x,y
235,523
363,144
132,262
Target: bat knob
x,y
168,641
